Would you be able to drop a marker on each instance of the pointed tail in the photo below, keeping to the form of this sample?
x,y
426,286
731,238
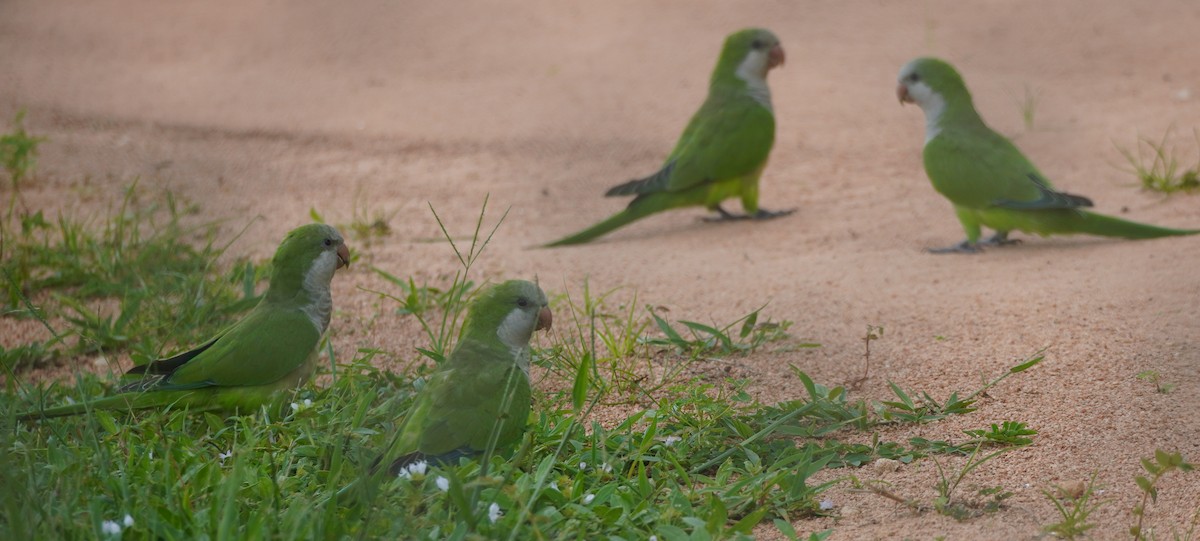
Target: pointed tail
x,y
1108,226
120,402
639,208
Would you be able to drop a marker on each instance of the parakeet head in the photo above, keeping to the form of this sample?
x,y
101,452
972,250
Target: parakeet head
x,y
749,54
306,261
512,310
929,83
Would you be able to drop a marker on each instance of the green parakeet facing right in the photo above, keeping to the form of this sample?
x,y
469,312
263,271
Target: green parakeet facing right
x,y
269,350
724,148
989,181
479,397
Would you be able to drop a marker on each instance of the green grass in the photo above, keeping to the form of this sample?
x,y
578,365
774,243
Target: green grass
x,y
140,281
1157,168
696,457
1028,104
1157,467
18,155
703,462
1074,506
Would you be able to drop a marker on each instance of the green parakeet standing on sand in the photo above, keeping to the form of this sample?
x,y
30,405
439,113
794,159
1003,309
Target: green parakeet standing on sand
x,y
479,397
987,179
271,349
724,148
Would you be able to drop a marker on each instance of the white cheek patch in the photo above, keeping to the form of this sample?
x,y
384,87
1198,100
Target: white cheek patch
x,y
932,104
316,284
514,332
753,71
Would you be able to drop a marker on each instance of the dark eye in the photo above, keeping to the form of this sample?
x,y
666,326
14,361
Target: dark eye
x,y
912,77
328,242
522,303
757,44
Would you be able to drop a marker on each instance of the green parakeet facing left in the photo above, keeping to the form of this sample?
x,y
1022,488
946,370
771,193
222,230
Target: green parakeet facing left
x,y
724,148
479,397
271,349
989,181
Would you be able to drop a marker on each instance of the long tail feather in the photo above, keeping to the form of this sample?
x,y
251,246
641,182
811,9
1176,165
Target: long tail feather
x,y
653,183
1108,226
201,400
123,402
638,208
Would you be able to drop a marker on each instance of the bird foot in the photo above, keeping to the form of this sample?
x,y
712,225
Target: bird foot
x,y
964,247
762,214
1000,240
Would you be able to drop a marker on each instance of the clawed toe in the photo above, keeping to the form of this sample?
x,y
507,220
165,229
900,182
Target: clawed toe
x,y
964,247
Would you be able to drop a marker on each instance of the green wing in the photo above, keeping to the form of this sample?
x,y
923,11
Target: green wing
x,y
466,399
265,346
979,168
728,138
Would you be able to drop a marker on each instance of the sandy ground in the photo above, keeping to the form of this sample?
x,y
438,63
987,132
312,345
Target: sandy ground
x,y
259,110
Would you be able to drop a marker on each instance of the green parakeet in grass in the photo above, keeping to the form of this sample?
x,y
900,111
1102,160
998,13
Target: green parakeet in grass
x,y
270,349
724,148
479,397
989,181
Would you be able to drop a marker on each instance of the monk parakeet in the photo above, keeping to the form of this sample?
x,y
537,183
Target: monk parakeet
x,y
479,397
987,179
270,349
722,151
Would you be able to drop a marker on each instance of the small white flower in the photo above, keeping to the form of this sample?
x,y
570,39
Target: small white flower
x,y
128,520
110,527
606,467
671,440
416,468
583,465
554,485
494,512
225,455
587,498
826,504
653,538
442,483
295,407
308,402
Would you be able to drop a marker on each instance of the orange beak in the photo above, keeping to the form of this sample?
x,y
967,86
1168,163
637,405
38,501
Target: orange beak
x,y
902,94
545,319
343,254
775,57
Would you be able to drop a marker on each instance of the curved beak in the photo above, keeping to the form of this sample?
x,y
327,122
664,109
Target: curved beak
x,y
343,254
902,94
545,318
775,56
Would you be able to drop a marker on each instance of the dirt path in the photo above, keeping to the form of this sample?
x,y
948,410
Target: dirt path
x,y
267,109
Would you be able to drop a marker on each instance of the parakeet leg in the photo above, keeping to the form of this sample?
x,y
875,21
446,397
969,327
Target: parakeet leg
x,y
761,214
971,226
724,215
1001,239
